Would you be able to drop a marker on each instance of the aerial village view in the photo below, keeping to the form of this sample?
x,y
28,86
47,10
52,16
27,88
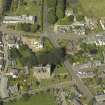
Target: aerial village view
x,y
52,52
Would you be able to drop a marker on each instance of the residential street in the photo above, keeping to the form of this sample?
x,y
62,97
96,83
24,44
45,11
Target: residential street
x,y
81,86
53,86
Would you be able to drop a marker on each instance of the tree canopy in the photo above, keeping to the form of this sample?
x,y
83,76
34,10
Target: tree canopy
x,y
26,57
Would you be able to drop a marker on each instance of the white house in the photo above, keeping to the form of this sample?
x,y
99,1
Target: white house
x,y
85,74
100,40
12,42
102,22
32,43
18,19
100,98
76,27
3,87
42,72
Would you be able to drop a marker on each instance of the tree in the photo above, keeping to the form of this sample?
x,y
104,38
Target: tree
x,y
80,18
71,18
66,20
51,3
52,11
26,96
60,9
14,53
52,16
26,27
6,5
60,12
23,27
14,5
19,26
54,56
34,27
24,55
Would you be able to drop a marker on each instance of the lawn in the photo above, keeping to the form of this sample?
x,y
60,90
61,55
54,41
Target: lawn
x,y
29,7
61,70
0,3
92,7
39,99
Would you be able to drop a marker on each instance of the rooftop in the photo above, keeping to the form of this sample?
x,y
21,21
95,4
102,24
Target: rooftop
x,y
3,87
100,97
19,19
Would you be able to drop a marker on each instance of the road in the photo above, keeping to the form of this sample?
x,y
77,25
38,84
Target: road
x,y
79,82
48,33
53,86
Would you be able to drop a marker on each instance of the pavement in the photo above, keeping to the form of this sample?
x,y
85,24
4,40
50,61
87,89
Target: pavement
x,y
3,87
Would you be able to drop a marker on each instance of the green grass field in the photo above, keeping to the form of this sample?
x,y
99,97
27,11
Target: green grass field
x,y
92,7
29,7
39,99
0,3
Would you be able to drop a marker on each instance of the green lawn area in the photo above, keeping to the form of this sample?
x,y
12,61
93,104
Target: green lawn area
x,y
39,99
61,70
29,7
63,42
0,3
92,7
47,45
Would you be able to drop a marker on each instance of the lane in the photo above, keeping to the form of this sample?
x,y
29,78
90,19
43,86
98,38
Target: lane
x,y
81,86
48,33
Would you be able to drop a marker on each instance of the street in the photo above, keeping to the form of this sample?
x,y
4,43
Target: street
x,y
53,86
